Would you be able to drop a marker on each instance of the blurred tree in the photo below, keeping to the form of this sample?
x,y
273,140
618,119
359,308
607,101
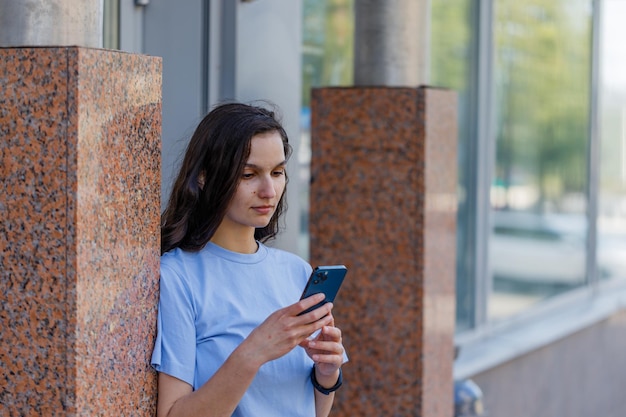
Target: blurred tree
x,y
328,45
542,64
450,43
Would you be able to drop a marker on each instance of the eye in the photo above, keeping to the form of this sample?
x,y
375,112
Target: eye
x,y
278,172
247,175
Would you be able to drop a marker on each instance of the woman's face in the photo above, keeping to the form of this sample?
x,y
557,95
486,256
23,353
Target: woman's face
x,y
261,186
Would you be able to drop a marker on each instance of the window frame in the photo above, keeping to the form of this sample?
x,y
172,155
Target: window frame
x,y
487,343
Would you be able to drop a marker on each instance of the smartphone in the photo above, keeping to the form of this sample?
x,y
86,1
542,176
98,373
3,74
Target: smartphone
x,y
324,279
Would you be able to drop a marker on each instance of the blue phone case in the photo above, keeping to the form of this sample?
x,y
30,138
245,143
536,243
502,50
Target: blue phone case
x,y
324,279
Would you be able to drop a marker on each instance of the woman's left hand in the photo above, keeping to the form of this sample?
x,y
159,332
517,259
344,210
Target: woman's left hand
x,y
326,350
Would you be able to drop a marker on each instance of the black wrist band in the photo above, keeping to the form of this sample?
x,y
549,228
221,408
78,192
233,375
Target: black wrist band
x,y
323,390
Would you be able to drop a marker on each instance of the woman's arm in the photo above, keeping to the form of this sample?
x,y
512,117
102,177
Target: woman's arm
x,y
219,396
276,336
326,350
324,403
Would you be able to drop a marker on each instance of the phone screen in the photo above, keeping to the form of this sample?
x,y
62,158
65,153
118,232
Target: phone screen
x,y
324,279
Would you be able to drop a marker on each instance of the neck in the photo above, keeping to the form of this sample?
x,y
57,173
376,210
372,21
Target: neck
x,y
242,242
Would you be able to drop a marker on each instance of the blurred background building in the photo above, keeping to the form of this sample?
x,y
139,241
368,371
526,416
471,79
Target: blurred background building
x,y
541,244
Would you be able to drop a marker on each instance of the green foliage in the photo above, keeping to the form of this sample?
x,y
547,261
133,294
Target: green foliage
x,y
450,43
542,75
328,49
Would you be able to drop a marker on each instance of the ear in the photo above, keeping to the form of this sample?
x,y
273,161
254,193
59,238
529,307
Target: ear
x,y
201,180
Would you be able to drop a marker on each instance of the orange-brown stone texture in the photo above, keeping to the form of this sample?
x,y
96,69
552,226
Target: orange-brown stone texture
x,y
79,238
383,202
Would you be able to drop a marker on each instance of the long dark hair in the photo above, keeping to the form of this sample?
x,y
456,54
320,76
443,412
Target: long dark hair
x,y
210,173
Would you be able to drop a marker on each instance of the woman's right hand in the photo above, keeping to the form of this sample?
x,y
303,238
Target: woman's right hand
x,y
277,335
284,329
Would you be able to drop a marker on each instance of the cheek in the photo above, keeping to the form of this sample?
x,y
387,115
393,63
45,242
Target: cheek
x,y
280,187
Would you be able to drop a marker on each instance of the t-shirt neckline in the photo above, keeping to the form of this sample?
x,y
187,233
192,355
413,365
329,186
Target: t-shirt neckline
x,y
244,258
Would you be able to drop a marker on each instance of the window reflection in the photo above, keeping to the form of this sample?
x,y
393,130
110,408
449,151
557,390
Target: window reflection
x,y
541,79
612,193
111,24
538,198
327,60
452,61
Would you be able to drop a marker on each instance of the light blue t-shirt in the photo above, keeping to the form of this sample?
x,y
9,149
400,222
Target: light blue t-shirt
x,y
209,303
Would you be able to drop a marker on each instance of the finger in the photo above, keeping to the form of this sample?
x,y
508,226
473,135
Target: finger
x,y
332,323
331,332
320,312
305,303
325,360
315,323
324,347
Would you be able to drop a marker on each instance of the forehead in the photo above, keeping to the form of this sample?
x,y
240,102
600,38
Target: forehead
x,y
266,148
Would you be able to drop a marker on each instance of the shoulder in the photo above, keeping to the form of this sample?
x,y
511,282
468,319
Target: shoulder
x,y
175,261
178,267
178,258
288,259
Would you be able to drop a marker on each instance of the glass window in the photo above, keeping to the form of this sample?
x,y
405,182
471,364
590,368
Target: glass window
x,y
327,60
538,197
111,24
611,242
452,65
540,75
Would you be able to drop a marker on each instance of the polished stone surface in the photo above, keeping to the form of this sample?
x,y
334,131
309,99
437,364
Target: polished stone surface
x,y
79,239
580,375
383,202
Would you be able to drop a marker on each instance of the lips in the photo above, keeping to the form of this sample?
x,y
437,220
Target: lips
x,y
263,209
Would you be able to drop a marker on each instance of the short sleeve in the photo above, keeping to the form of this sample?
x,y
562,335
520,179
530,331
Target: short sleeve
x,y
175,346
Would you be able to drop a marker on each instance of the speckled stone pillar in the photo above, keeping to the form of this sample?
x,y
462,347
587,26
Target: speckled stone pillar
x,y
79,237
383,202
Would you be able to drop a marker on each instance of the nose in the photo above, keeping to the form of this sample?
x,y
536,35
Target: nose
x,y
267,188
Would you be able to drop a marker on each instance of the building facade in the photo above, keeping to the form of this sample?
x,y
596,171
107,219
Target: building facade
x,y
541,241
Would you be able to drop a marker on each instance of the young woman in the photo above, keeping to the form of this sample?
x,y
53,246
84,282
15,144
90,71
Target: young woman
x,y
230,340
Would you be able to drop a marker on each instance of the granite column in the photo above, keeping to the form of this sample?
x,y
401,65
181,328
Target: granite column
x,y
79,237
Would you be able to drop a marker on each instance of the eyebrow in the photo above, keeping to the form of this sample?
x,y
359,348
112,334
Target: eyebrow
x,y
281,164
